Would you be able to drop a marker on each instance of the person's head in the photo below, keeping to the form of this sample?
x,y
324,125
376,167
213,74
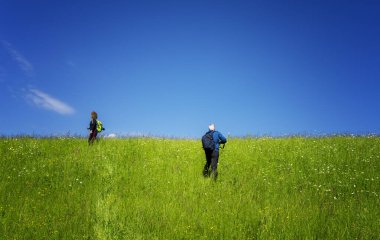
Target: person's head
x,y
211,127
94,115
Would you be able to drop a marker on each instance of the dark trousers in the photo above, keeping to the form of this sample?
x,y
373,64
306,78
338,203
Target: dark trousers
x,y
92,137
212,158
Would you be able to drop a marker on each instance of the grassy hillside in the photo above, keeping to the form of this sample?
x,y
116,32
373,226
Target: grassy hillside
x,y
291,188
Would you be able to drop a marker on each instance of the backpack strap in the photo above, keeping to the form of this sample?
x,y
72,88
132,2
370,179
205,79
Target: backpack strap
x,y
211,135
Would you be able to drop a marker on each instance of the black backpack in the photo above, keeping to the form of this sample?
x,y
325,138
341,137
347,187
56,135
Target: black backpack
x,y
208,141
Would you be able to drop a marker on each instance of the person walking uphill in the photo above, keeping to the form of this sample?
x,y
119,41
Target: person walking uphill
x,y
96,127
211,142
93,128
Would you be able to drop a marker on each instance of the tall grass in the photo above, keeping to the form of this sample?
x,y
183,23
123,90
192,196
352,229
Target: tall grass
x,y
288,188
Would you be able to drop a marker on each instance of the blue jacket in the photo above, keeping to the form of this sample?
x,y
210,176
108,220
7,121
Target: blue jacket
x,y
218,139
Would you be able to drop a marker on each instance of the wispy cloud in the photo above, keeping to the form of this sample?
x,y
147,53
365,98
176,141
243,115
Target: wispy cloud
x,y
22,62
2,74
32,95
70,63
45,101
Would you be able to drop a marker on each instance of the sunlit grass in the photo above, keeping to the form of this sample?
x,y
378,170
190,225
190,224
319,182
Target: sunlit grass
x,y
287,188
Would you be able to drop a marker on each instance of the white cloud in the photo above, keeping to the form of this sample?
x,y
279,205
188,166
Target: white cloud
x,y
45,101
33,96
22,62
112,135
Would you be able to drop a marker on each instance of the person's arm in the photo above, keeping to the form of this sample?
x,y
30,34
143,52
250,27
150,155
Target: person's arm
x,y
222,139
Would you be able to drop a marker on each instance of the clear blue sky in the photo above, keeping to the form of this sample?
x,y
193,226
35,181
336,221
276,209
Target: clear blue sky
x,y
172,67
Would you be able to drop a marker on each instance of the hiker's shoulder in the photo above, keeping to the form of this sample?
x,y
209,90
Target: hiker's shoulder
x,y
217,133
220,134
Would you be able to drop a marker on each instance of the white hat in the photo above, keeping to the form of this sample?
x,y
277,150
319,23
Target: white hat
x,y
211,127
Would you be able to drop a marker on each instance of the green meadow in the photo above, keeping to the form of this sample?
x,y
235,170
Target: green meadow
x,y
147,188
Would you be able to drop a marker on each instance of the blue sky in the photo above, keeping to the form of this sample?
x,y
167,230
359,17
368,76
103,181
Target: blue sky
x,y
170,68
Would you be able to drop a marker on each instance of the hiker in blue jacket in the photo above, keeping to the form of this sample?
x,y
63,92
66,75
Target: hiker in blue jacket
x,y
211,142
